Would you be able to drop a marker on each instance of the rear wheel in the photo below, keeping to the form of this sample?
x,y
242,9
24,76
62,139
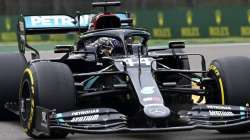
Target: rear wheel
x,y
231,86
49,85
11,69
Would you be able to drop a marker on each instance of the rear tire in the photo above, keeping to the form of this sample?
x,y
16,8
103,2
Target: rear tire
x,y
232,76
49,85
11,69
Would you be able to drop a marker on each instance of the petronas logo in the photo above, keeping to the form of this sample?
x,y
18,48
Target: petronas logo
x,y
160,18
218,16
189,17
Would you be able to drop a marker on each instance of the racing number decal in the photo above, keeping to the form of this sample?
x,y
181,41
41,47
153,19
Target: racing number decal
x,y
214,69
32,109
132,62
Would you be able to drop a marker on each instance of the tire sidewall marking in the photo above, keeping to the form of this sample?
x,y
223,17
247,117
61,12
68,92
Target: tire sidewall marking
x,y
216,71
29,74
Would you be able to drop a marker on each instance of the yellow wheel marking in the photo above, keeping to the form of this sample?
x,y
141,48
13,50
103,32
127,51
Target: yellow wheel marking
x,y
29,72
222,92
32,103
217,73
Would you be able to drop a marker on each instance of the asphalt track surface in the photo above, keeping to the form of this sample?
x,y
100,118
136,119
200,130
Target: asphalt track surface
x,y
10,130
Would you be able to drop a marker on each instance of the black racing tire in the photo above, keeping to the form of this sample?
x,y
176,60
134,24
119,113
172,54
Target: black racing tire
x,y
11,69
231,87
49,85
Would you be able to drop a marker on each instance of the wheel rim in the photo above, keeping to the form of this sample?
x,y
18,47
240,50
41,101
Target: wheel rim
x,y
25,101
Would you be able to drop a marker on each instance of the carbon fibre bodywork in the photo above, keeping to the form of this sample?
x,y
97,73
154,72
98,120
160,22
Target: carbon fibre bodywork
x,y
139,89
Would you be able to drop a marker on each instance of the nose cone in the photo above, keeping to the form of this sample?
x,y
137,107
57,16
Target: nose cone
x,y
156,111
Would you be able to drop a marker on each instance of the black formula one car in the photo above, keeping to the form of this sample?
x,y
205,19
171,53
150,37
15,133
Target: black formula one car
x,y
112,82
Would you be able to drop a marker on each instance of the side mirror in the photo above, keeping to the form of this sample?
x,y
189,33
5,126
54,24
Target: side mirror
x,y
176,45
63,48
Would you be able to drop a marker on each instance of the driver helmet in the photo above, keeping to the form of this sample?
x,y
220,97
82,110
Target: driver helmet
x,y
107,46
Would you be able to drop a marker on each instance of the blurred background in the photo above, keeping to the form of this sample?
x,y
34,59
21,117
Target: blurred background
x,y
14,7
165,19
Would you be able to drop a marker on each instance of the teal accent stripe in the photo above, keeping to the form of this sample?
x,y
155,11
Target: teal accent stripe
x,y
60,117
91,82
242,113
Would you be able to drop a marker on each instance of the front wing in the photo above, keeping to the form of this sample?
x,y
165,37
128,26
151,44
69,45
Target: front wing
x,y
107,120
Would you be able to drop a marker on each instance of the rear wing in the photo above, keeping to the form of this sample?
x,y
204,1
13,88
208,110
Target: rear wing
x,y
60,23
50,24
54,24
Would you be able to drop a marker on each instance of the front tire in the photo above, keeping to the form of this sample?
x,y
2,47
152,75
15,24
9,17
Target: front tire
x,y
49,85
231,86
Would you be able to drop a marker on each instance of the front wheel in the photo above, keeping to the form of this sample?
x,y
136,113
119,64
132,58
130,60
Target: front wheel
x,y
49,85
231,86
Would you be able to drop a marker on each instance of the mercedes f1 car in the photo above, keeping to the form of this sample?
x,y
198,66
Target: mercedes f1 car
x,y
112,82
